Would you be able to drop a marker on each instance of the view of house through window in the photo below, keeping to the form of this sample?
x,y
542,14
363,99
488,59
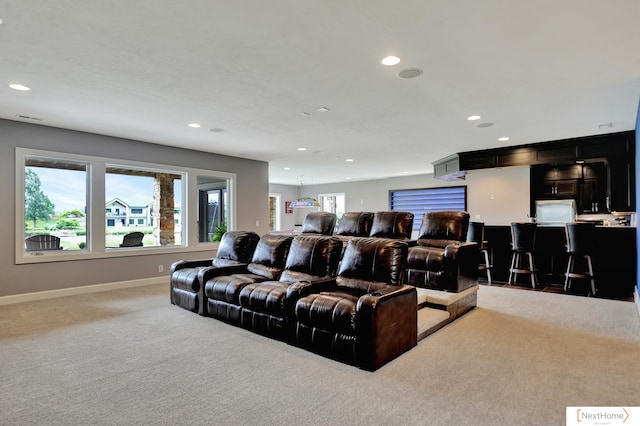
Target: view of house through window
x,y
55,209
146,201
67,205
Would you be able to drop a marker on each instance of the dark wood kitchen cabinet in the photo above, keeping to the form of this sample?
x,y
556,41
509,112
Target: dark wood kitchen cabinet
x,y
615,150
554,182
584,183
561,189
622,184
593,189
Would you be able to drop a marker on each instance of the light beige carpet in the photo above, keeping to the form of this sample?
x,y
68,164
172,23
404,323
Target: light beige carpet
x,y
129,357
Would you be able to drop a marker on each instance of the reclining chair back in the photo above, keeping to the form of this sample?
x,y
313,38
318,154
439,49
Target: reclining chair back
x,y
311,258
392,224
439,229
270,255
371,264
321,223
235,247
355,224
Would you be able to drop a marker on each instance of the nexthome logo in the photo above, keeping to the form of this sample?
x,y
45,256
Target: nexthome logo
x,y
602,416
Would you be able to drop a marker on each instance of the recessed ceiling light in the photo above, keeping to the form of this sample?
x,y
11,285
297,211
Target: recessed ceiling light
x,y
390,61
473,117
302,149
405,173
349,160
483,125
194,125
323,109
347,177
503,139
287,168
216,130
19,87
305,114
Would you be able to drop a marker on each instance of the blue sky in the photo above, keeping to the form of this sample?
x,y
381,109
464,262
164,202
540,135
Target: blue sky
x,y
66,188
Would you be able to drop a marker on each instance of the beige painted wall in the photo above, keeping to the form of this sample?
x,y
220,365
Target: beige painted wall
x,y
499,196
508,186
252,189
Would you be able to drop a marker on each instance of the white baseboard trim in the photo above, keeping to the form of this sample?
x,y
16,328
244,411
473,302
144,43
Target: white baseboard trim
x,y
72,291
636,297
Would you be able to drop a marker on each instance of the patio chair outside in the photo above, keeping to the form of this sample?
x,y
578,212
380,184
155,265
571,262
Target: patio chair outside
x,y
42,242
133,239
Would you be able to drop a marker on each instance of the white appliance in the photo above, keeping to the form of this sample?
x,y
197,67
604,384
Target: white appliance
x,y
555,212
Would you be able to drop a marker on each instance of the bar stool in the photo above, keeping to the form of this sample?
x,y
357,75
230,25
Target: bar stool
x,y
475,234
523,241
580,237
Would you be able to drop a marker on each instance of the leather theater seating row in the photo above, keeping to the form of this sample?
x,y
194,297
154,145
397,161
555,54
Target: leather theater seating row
x,y
342,297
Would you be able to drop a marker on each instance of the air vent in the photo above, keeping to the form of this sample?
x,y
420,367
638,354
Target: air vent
x,y
410,73
28,117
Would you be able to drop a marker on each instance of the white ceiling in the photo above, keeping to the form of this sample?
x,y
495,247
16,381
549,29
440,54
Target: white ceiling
x,y
145,69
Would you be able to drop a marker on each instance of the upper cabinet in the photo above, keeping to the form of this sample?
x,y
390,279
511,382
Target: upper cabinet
x,y
605,182
586,183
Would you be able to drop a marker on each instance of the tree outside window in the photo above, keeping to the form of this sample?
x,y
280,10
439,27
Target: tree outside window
x,y
37,205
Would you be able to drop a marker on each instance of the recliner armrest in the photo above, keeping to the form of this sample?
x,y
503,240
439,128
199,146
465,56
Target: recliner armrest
x,y
464,258
386,325
379,296
182,264
304,288
205,274
454,250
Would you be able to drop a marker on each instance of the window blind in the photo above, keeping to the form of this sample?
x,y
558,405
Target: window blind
x,y
420,201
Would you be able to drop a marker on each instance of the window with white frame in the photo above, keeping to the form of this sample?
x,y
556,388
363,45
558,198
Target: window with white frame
x,y
421,201
86,205
154,193
275,212
333,203
52,208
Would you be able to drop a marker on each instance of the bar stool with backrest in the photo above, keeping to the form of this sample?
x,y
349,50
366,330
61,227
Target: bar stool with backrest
x,y
475,234
580,237
523,242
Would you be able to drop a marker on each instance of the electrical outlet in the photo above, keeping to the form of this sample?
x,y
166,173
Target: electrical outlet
x,y
160,268
257,223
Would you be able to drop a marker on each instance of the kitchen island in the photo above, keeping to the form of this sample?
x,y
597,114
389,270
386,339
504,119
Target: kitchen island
x,y
614,258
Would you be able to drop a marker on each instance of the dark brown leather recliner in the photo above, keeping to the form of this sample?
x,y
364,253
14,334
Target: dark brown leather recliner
x,y
392,224
321,223
221,295
365,316
267,307
234,252
441,259
354,224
